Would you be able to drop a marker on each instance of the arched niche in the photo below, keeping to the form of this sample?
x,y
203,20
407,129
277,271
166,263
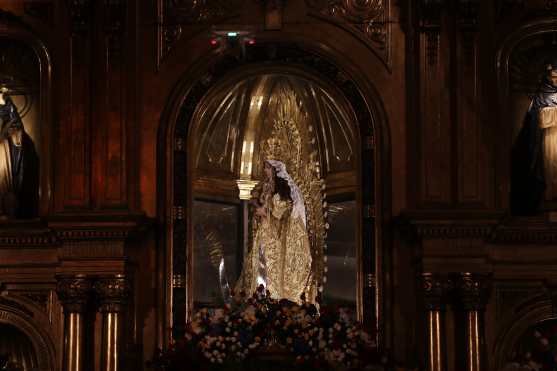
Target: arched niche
x,y
512,340
25,69
43,351
17,349
372,169
522,61
231,128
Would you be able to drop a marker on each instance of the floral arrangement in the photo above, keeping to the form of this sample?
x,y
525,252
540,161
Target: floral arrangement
x,y
249,328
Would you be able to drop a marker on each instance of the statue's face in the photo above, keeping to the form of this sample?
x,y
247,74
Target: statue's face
x,y
553,77
268,169
13,130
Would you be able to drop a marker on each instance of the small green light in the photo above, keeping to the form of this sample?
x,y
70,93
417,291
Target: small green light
x,y
232,34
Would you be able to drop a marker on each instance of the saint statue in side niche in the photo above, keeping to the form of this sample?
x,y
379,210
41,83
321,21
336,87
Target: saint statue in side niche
x,y
534,156
280,257
19,164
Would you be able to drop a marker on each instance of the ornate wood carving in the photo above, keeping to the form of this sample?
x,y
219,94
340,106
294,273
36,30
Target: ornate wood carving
x,y
370,18
175,15
74,293
112,293
434,289
473,290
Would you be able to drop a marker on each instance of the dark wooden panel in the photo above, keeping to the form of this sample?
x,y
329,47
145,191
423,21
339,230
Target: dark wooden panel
x,y
115,181
110,97
77,157
471,184
435,134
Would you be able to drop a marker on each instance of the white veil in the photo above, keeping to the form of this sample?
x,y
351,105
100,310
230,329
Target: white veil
x,y
298,207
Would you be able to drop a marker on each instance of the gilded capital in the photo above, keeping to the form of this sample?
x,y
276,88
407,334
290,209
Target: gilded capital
x,y
434,289
73,292
473,290
112,293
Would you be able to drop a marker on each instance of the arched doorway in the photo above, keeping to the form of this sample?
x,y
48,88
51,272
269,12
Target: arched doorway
x,y
297,71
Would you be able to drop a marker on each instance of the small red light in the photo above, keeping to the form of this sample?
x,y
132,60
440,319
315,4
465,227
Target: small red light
x,y
251,42
214,42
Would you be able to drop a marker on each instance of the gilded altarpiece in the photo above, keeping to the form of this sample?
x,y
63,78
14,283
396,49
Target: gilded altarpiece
x,y
337,133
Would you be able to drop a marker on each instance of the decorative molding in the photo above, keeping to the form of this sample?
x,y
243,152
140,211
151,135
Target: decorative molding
x,y
524,231
74,292
86,249
174,15
97,227
496,228
22,240
6,302
92,234
429,227
18,234
369,18
112,293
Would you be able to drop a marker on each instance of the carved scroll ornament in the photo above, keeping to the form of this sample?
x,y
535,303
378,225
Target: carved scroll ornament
x,y
368,17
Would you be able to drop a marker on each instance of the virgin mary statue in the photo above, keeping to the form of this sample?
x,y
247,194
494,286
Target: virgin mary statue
x,y
279,257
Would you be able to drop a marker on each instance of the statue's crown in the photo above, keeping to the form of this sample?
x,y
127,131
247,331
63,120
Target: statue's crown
x,y
272,149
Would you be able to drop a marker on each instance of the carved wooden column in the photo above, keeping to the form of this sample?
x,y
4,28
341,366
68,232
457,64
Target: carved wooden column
x,y
113,294
434,292
73,292
473,292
